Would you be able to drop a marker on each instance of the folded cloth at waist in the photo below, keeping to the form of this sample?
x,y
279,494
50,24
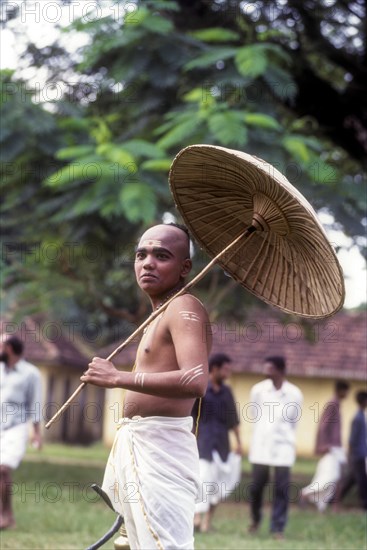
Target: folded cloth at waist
x,y
152,479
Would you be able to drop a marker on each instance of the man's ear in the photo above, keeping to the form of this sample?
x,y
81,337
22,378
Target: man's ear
x,y
186,267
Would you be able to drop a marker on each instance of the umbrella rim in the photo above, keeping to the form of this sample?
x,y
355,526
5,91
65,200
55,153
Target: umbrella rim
x,y
276,176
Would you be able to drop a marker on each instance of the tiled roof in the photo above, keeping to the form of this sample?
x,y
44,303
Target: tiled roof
x,y
46,342
334,347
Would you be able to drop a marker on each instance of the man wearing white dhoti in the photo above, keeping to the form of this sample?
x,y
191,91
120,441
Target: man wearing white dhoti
x,y
20,389
220,469
155,489
152,474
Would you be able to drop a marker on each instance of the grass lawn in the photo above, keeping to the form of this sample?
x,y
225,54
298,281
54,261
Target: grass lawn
x,y
56,509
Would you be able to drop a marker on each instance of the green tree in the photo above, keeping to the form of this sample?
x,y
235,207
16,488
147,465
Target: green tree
x,y
283,80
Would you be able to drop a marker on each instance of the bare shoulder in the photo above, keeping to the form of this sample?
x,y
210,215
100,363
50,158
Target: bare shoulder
x,y
188,322
187,307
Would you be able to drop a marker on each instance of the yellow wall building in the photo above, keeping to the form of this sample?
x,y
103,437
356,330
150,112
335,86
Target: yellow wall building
x,y
317,354
315,396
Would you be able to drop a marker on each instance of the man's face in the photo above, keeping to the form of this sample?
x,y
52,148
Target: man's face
x,y
4,352
269,370
342,393
221,374
161,260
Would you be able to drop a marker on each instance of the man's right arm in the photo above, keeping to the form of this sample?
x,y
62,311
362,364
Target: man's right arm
x,y
191,349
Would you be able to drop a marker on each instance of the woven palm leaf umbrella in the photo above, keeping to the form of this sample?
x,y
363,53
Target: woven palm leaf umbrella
x,y
283,256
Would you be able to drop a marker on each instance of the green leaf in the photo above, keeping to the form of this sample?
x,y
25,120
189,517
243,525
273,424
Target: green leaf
x,y
322,172
298,148
280,82
77,151
157,24
215,35
209,58
276,53
194,96
180,132
74,124
157,165
262,121
163,5
142,148
138,202
115,154
228,128
88,169
202,96
65,175
251,61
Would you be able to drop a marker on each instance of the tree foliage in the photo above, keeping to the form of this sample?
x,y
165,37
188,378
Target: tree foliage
x,y
84,174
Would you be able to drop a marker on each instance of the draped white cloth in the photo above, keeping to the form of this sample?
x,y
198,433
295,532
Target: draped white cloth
x,y
13,444
152,479
218,480
324,483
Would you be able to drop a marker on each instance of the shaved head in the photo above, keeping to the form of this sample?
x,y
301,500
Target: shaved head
x,y
168,233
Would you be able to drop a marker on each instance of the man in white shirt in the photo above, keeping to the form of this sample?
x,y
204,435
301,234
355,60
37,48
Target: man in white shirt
x,y
275,411
20,389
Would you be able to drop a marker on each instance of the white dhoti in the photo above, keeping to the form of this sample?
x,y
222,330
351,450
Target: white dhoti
x,y
152,480
13,445
324,483
218,479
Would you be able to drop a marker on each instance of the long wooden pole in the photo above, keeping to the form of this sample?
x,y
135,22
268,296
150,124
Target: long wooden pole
x,y
152,316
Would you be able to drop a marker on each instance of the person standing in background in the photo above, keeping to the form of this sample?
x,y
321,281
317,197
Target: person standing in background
x,y
322,488
357,456
20,388
216,417
275,411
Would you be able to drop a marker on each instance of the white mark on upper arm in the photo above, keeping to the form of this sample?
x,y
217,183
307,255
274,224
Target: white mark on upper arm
x,y
190,316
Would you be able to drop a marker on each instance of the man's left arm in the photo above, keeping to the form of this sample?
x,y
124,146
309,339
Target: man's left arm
x,y
234,422
236,431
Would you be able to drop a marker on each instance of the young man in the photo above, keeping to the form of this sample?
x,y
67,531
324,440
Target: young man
x,y
276,409
20,389
218,416
152,475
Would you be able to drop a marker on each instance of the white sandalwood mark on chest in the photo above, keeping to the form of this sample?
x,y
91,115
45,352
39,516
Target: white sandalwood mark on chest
x,y
191,374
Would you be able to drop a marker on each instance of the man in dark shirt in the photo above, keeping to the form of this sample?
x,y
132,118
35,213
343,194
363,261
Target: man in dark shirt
x,y
214,417
357,457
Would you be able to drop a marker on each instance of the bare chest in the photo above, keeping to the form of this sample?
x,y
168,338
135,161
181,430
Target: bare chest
x,y
156,350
